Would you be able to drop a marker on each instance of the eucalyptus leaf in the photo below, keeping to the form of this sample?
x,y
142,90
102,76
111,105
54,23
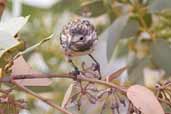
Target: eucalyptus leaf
x,y
141,97
161,54
122,27
158,5
121,49
113,33
130,29
13,25
135,70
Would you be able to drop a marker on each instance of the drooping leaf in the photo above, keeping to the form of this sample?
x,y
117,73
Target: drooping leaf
x,y
121,49
158,5
161,54
122,27
100,52
116,74
13,26
114,32
20,67
144,100
71,96
91,8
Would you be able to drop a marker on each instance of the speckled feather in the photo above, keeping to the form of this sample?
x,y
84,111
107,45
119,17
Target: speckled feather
x,y
78,38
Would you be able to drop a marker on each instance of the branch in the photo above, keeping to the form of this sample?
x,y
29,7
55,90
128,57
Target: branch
x,y
34,46
68,75
12,79
39,97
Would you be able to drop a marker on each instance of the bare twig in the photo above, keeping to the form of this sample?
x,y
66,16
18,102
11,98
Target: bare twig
x,y
12,79
68,75
41,98
34,46
115,74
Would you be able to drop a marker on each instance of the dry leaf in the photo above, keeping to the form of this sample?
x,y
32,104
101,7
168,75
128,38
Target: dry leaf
x,y
116,74
67,95
20,66
144,100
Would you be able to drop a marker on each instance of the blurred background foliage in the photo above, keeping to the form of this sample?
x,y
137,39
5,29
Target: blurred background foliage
x,y
131,32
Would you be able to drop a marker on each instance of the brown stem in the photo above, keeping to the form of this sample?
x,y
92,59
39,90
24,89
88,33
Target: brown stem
x,y
69,75
40,97
122,89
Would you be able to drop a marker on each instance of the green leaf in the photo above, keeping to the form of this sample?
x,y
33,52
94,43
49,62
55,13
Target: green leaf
x,y
123,27
158,5
161,54
91,8
113,33
13,25
121,49
130,29
148,19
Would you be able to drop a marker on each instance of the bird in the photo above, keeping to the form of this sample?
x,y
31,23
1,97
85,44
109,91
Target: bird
x,y
79,38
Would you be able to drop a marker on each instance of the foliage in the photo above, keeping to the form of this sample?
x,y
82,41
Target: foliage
x,y
133,32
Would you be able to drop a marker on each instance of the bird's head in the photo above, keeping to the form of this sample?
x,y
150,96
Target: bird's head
x,y
78,35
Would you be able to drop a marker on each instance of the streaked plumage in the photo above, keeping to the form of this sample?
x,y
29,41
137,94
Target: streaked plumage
x,y
78,38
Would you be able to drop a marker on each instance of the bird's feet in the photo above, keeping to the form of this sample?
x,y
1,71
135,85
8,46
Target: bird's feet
x,y
76,72
97,68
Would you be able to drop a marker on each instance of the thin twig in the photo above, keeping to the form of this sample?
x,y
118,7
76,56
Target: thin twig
x,y
40,97
34,46
68,75
122,89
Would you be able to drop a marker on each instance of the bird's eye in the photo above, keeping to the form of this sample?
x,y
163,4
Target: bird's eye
x,y
81,38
